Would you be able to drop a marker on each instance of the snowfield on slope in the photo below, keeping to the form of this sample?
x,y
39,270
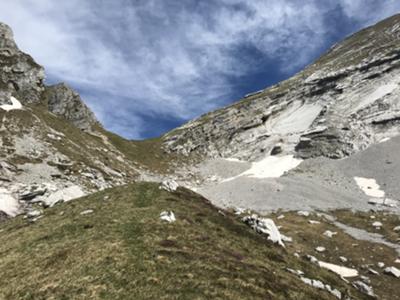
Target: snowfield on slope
x,y
269,167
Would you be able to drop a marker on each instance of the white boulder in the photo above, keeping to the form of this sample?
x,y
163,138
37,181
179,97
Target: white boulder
x,y
168,216
169,185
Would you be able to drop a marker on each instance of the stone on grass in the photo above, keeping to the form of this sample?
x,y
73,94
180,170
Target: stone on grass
x,y
381,264
343,259
329,233
397,229
313,222
372,271
320,249
340,270
392,271
364,288
169,185
87,212
33,213
264,226
168,216
377,224
303,213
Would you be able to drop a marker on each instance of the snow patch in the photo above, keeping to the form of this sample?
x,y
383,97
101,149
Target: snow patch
x,y
269,167
8,204
369,187
15,104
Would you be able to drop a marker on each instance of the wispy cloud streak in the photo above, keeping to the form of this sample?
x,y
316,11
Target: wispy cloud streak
x,y
173,60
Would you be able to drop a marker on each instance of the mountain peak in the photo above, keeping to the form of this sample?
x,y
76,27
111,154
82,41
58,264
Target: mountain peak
x,y
65,102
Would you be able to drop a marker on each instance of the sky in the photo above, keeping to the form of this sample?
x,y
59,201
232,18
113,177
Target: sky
x,y
147,66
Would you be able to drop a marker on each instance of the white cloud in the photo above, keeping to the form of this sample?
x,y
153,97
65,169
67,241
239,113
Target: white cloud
x,y
167,58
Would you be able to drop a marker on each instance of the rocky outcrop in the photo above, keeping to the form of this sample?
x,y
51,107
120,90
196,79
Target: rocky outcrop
x,y
341,104
65,102
20,75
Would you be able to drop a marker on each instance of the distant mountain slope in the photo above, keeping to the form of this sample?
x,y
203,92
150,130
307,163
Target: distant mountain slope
x,y
52,148
341,104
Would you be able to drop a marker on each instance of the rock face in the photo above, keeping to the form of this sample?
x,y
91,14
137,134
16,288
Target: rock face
x,y
44,158
20,75
341,104
65,102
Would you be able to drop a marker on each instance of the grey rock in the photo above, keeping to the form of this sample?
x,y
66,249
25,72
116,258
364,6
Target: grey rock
x,y
87,212
364,288
33,213
65,102
392,271
32,191
20,75
337,106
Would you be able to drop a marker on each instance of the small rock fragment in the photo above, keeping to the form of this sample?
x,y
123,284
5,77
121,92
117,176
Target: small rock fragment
x,y
313,222
87,212
340,270
312,259
303,213
381,264
343,259
372,271
329,233
320,249
169,185
392,271
377,224
364,288
33,213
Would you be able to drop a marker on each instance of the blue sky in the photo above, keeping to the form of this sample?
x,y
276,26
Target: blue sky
x,y
147,66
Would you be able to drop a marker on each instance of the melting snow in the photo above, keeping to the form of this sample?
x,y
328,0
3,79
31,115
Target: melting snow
x,y
369,187
8,204
270,167
15,104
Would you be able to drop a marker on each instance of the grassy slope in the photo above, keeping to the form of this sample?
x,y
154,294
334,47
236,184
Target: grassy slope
x,y
124,251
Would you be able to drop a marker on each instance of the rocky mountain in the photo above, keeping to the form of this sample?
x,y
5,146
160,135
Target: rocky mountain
x,y
344,102
289,193
52,147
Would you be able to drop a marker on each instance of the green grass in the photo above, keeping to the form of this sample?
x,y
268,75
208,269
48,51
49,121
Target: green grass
x,y
124,251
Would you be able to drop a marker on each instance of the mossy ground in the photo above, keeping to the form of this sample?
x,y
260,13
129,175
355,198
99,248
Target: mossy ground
x,y
361,255
124,251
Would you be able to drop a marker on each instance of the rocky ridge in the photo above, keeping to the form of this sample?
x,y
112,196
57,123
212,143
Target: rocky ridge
x,y
344,102
52,148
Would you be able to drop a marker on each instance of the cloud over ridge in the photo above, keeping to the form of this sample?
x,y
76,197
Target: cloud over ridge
x,y
145,66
